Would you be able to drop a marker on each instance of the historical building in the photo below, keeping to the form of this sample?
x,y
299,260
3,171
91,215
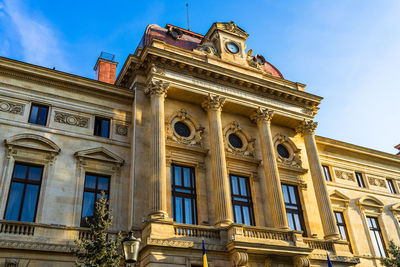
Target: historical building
x,y
197,138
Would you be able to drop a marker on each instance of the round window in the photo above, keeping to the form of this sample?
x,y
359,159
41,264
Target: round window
x,y
235,141
232,47
182,129
282,151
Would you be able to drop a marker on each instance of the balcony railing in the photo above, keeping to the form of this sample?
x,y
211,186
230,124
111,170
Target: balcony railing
x,y
267,233
17,228
317,244
184,230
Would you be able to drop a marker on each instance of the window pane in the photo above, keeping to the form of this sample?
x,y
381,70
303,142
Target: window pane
x,y
238,214
188,211
102,183
178,210
35,173
20,171
29,207
246,215
90,181
381,252
235,189
88,204
34,114
285,193
186,177
42,116
178,176
338,217
375,243
97,126
292,195
243,191
14,201
105,128
290,221
342,232
297,222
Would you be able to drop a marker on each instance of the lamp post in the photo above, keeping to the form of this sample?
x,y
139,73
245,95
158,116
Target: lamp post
x,y
130,246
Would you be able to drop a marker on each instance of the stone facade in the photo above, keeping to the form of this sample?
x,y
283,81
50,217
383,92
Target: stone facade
x,y
211,85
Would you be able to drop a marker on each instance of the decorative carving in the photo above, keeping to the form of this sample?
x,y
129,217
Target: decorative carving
x,y
12,262
262,115
121,129
169,243
26,245
12,107
294,159
310,111
301,261
208,48
345,175
70,119
213,102
158,70
306,127
157,88
233,28
376,181
100,154
247,148
240,258
196,131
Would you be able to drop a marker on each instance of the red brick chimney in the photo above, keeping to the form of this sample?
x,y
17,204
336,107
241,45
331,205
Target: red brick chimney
x,y
106,68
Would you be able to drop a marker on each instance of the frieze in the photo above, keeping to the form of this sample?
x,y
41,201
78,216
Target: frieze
x,y
34,246
169,243
13,108
376,181
70,119
345,175
121,129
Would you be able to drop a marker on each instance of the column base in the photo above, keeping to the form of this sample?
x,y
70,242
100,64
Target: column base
x,y
224,223
158,216
332,237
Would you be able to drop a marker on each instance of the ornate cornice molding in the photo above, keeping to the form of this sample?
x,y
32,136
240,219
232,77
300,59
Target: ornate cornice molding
x,y
262,115
213,102
306,127
158,88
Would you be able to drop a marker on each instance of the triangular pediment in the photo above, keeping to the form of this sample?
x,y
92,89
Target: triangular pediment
x,y
336,195
32,141
100,153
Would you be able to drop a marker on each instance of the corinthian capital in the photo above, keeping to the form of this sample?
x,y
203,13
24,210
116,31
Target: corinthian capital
x,y
213,102
306,127
262,115
157,88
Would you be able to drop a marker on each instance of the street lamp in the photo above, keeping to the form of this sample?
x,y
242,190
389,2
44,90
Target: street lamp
x,y
131,248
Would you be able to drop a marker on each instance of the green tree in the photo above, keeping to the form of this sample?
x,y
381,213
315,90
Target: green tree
x,y
394,253
98,251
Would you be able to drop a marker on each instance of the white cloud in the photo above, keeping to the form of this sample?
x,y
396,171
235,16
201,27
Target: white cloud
x,y
33,34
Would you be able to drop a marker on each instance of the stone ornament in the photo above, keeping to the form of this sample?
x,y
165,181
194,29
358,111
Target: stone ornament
x,y
301,261
158,70
70,119
157,88
310,111
233,28
213,102
376,181
294,159
169,243
196,131
262,115
240,258
12,107
247,148
12,262
121,129
208,48
345,175
306,127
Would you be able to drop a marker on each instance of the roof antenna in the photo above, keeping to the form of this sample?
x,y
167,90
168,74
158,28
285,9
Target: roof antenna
x,y
187,12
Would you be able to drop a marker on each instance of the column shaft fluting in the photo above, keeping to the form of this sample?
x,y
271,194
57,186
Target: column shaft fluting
x,y
272,182
306,128
223,204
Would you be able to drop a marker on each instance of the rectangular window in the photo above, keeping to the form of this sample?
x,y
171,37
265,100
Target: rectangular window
x,y
24,193
327,173
94,185
360,179
391,186
38,114
294,211
242,203
102,127
376,236
183,188
341,224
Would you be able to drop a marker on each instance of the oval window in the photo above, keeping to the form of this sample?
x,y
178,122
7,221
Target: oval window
x,y
182,129
282,151
235,141
232,47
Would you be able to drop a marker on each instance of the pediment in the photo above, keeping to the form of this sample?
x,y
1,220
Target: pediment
x,y
32,141
100,153
370,201
395,208
337,196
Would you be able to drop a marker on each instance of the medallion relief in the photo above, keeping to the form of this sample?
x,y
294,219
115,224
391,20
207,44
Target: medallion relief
x,y
184,129
376,181
237,141
12,107
121,129
70,119
345,174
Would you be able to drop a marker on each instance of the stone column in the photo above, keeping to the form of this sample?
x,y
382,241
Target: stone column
x,y
223,205
306,129
157,182
272,182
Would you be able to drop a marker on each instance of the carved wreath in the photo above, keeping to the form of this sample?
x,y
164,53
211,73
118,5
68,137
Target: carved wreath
x,y
247,148
294,159
196,131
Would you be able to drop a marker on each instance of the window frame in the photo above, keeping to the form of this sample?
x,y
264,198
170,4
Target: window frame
x,y
299,209
96,191
101,119
375,230
360,182
192,196
327,173
38,115
343,224
249,197
392,188
25,182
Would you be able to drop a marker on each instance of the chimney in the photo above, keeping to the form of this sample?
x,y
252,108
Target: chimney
x,y
106,68
398,147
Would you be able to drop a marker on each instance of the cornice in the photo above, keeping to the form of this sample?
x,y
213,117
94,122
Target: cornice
x,y
54,78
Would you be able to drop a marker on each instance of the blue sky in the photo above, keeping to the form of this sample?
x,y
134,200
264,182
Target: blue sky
x,y
345,51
